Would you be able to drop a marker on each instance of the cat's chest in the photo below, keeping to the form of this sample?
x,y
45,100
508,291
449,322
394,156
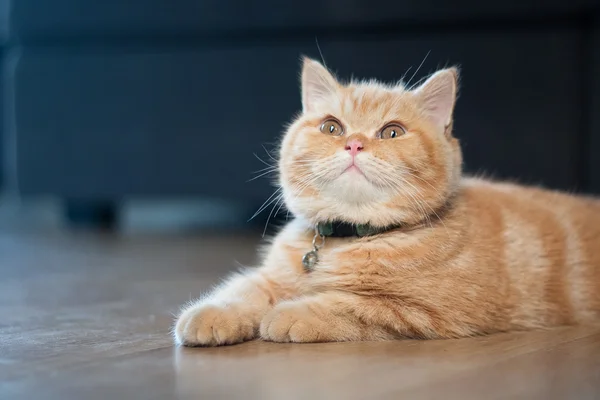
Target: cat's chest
x,y
310,255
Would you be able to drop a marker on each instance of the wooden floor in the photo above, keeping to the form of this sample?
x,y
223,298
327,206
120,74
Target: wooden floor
x,y
88,317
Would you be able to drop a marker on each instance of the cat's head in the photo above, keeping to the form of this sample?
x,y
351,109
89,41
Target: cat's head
x,y
366,152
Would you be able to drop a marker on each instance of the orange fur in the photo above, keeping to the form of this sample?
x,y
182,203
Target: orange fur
x,y
471,256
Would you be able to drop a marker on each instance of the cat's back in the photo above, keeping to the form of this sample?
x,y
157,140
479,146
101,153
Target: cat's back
x,y
517,197
533,211
549,241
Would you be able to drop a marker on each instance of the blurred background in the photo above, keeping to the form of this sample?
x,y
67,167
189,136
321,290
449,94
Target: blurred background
x,y
150,114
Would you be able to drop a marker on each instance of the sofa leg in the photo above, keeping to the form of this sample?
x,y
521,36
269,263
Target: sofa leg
x,y
91,214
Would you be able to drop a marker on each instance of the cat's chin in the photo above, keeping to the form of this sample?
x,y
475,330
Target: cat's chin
x,y
353,187
349,195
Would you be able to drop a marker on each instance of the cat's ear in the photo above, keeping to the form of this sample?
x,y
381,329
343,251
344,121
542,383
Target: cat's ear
x,y
438,95
317,83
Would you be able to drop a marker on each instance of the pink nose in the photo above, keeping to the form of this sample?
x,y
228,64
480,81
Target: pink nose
x,y
354,146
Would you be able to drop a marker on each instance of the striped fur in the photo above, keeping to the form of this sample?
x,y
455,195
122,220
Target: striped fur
x,y
473,256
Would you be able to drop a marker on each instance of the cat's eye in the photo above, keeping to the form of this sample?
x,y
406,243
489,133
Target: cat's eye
x,y
332,127
391,131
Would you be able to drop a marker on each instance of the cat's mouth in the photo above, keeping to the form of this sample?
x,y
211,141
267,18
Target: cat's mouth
x,y
354,169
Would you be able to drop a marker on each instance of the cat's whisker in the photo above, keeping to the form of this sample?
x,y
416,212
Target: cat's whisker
x,y
278,199
267,202
308,180
323,168
430,208
410,172
417,196
418,68
272,168
262,174
320,52
316,159
404,76
303,182
436,193
281,204
263,161
399,186
417,203
269,154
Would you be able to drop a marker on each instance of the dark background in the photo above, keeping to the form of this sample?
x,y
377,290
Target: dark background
x,y
113,100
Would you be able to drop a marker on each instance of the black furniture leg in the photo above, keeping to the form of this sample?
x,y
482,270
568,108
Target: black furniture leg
x,y
91,214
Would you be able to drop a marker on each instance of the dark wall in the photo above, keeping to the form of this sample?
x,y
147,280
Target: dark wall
x,y
114,99
4,13
164,118
594,109
2,121
72,20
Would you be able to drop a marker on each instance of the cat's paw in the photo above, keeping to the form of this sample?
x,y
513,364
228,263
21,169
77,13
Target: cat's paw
x,y
293,321
214,325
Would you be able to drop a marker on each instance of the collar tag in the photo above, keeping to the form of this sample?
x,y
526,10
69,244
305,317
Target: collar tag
x,y
311,258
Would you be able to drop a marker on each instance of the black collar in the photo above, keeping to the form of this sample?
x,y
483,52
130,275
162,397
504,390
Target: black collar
x,y
344,229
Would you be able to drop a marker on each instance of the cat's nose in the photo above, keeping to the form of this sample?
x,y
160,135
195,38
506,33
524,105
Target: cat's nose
x,y
354,146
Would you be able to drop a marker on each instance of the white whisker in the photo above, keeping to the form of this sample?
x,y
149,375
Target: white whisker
x,y
263,161
269,154
271,213
418,68
263,174
267,202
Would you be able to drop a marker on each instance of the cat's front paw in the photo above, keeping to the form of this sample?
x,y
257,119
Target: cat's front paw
x,y
293,321
215,325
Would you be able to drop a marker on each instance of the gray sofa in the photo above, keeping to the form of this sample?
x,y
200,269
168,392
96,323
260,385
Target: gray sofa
x,y
124,99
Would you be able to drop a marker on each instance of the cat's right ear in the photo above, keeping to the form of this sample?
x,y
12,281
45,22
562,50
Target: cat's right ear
x,y
317,84
438,95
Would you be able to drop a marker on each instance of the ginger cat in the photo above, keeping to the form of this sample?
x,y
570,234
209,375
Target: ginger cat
x,y
439,256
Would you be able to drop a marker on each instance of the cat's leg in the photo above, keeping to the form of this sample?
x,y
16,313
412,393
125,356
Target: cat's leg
x,y
336,316
232,312
328,317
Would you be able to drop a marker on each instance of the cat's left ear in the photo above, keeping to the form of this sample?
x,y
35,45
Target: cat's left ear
x,y
438,95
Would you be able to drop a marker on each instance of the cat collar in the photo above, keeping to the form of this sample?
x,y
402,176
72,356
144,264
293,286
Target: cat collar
x,y
337,229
